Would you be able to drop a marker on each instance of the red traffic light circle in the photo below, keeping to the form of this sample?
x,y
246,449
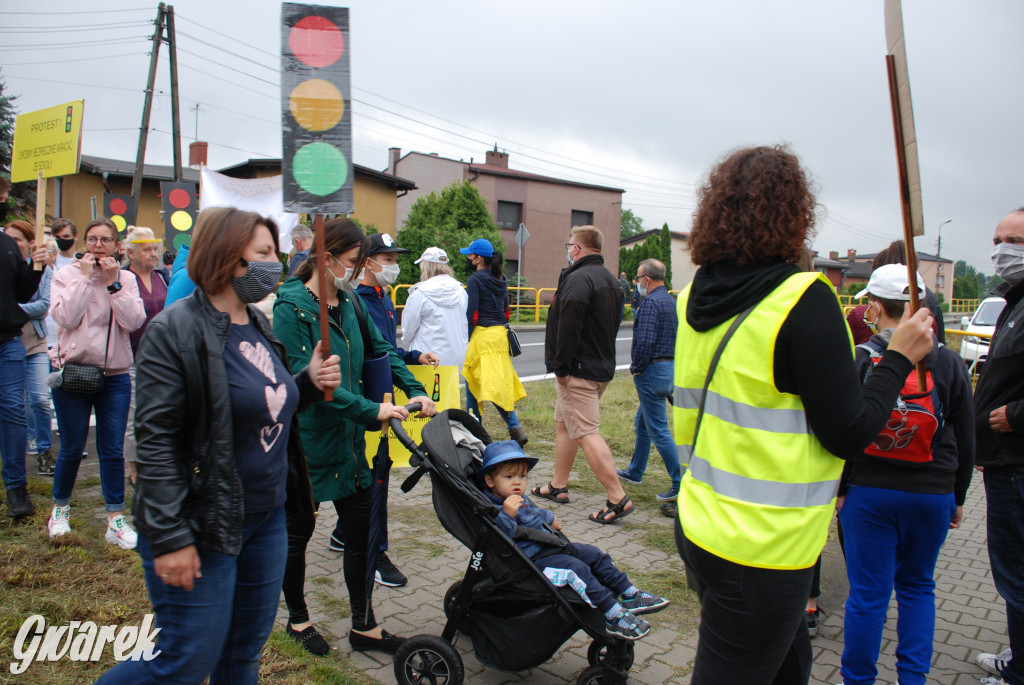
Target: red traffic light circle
x,y
316,41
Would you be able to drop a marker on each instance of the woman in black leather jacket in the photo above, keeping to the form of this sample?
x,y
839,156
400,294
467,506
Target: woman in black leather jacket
x,y
220,466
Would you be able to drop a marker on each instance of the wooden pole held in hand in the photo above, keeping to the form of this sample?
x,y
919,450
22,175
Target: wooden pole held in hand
x,y
321,275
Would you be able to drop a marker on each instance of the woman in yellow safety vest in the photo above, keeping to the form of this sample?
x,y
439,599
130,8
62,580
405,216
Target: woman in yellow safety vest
x,y
778,412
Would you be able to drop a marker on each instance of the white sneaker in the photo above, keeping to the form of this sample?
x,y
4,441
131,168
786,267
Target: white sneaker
x,y
993,681
60,521
995,663
120,533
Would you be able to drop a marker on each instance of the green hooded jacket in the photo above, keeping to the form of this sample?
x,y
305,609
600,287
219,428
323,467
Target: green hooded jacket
x,y
333,433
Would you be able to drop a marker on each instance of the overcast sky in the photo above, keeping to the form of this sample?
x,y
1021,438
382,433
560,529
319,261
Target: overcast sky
x,y
644,96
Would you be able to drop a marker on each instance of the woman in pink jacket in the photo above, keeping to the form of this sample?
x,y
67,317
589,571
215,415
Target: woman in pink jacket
x,y
95,306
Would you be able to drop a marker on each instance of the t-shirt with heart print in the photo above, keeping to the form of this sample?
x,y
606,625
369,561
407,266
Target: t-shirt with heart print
x,y
263,399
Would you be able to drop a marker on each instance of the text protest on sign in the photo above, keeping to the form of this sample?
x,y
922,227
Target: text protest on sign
x,y
442,385
47,140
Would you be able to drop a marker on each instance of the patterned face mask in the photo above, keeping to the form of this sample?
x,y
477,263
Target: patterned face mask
x,y
1008,262
259,280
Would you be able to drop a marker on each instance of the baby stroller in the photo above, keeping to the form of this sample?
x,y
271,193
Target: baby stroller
x,y
515,617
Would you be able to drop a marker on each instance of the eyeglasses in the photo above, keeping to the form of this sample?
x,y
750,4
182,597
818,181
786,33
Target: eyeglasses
x,y
92,240
568,245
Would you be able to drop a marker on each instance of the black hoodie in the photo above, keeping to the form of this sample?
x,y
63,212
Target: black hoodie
x,y
1002,385
812,356
18,283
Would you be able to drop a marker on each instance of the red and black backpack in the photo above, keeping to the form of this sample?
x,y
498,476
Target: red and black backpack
x,y
916,419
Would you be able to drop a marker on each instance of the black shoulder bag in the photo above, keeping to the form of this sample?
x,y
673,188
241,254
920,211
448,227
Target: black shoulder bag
x,y
85,379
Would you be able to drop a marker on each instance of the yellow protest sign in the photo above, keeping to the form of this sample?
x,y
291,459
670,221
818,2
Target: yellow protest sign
x,y
48,141
442,386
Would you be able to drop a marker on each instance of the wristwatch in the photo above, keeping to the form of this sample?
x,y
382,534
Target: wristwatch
x,y
114,287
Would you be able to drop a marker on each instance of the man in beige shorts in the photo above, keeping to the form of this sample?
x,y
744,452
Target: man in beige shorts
x,y
579,348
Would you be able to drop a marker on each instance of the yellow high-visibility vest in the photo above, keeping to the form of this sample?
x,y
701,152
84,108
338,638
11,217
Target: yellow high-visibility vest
x,y
759,488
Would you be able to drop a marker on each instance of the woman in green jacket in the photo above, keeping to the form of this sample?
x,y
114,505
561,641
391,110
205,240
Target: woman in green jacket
x,y
333,432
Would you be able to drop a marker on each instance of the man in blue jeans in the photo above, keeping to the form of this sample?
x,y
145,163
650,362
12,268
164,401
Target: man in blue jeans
x,y
18,283
653,369
999,430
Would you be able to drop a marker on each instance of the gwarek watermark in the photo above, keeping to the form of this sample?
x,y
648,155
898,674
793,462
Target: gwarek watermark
x,y
82,641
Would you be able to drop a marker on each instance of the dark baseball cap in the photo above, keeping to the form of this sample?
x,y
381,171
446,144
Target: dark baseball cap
x,y
383,242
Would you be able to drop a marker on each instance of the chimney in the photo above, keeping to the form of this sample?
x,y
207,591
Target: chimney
x,y
834,255
197,152
851,255
497,158
394,154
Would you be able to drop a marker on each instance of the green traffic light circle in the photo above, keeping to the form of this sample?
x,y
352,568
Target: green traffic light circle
x,y
319,168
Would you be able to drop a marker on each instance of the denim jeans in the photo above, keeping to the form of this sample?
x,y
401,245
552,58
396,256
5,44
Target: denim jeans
x,y
473,407
13,434
653,388
219,627
38,415
893,539
1004,490
73,409
752,628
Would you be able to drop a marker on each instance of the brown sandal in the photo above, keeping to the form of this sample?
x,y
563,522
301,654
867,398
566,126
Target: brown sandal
x,y
552,493
619,510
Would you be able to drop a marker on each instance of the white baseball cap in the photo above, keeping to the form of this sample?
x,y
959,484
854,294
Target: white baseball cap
x,y
433,254
889,282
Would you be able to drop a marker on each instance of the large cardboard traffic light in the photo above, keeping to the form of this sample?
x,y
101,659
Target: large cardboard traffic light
x,y
120,209
181,207
316,119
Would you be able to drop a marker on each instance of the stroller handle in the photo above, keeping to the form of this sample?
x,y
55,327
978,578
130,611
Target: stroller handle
x,y
399,430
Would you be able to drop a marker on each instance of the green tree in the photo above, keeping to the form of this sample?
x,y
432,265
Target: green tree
x,y
22,196
631,224
449,220
966,287
666,254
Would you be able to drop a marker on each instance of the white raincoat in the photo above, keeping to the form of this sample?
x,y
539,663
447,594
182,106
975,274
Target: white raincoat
x,y
434,320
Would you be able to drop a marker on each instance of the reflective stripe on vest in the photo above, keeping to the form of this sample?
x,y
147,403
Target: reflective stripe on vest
x,y
759,489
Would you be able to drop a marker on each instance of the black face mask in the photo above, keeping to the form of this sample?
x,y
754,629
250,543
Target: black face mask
x,y
65,244
472,266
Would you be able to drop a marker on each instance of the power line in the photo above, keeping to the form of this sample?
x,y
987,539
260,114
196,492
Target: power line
x,y
134,9
79,44
76,27
220,64
233,54
224,35
72,83
74,60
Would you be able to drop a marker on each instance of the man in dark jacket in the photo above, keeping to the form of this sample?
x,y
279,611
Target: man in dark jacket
x,y
18,283
999,427
579,348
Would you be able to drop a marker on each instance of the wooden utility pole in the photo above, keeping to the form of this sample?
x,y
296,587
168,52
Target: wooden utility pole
x,y
172,53
164,23
147,107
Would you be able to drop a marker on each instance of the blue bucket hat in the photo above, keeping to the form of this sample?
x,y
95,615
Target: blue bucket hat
x,y
501,451
480,246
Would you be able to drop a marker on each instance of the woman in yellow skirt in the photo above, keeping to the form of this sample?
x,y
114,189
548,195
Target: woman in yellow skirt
x,y
488,369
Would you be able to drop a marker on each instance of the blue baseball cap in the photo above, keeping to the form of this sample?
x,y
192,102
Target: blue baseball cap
x,y
480,246
504,450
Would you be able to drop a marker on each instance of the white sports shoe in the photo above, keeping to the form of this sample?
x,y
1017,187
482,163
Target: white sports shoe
x,y
995,663
60,522
120,533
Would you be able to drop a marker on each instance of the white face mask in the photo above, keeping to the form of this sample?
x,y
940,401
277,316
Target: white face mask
x,y
349,282
388,273
1008,261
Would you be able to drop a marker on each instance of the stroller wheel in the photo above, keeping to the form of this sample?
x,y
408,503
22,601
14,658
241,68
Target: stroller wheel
x,y
600,675
449,598
617,655
428,660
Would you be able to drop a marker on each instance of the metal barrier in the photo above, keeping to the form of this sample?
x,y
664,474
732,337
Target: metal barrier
x,y
957,340
963,306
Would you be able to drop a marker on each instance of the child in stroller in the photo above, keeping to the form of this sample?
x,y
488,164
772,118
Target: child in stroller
x,y
585,568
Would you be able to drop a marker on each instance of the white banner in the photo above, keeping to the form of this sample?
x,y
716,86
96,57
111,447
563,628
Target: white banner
x,y
261,195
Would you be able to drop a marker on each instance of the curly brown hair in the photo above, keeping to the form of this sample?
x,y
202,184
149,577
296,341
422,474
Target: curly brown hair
x,y
756,205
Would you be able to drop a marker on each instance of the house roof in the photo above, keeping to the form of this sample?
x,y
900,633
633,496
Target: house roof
x,y
637,237
921,257
823,263
269,163
116,167
859,270
495,170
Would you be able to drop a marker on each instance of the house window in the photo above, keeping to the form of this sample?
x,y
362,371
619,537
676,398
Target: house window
x,y
581,218
510,214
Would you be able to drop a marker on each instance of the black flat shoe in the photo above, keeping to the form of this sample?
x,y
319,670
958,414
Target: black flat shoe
x,y
386,643
311,641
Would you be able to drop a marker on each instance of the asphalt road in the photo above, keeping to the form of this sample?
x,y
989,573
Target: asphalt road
x,y
530,364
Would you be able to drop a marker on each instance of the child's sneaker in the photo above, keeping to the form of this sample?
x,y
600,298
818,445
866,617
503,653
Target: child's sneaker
x,y
811,617
120,533
643,603
626,625
60,522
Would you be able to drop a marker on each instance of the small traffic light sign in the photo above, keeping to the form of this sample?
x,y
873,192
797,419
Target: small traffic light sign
x,y
316,119
120,209
181,207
